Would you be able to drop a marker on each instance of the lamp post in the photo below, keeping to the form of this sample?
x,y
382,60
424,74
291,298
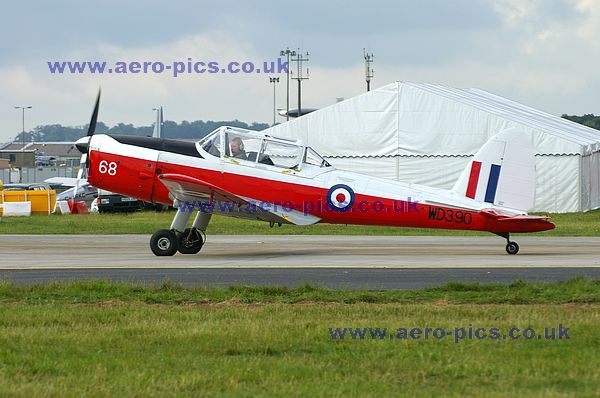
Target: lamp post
x,y
23,132
299,76
274,80
368,68
288,53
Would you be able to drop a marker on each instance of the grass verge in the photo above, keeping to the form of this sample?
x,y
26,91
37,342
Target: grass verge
x,y
116,339
577,290
570,224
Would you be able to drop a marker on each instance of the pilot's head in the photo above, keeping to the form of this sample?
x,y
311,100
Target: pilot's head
x,y
237,146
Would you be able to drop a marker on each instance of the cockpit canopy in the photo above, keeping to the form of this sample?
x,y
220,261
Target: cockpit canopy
x,y
249,146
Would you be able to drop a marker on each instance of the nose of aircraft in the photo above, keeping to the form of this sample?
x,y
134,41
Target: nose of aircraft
x,y
82,144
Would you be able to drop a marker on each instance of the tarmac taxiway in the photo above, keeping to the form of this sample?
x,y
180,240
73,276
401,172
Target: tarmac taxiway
x,y
371,262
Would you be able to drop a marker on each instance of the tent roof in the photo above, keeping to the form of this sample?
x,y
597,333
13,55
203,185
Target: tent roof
x,y
419,119
516,112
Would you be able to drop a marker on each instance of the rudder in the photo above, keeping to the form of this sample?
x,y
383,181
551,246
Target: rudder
x,y
502,172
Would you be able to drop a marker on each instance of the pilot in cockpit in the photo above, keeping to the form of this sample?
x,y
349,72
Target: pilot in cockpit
x,y
236,146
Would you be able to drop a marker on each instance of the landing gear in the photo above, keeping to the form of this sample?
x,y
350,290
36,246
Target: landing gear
x,y
190,241
164,242
511,247
167,242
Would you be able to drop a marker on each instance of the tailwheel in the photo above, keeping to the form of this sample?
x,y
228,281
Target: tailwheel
x,y
190,241
512,248
164,242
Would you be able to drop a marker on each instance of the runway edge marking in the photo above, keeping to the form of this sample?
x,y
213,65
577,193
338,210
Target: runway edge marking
x,y
272,267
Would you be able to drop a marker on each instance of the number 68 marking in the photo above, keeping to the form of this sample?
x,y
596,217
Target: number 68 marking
x,y
106,167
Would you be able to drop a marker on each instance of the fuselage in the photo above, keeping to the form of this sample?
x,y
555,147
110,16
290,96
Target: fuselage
x,y
132,165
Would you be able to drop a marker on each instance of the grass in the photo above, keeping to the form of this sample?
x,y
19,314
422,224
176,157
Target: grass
x,y
578,290
116,339
569,224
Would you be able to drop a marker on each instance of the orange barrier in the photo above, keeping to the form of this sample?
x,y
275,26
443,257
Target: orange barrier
x,y
42,202
78,207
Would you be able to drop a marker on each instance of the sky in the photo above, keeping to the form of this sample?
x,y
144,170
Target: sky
x,y
544,54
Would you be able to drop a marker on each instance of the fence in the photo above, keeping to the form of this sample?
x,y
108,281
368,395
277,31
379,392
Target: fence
x,y
30,175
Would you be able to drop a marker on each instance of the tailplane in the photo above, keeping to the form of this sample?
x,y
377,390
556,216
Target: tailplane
x,y
502,172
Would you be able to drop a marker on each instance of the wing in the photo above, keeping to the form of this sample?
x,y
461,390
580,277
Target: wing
x,y
189,189
186,188
65,181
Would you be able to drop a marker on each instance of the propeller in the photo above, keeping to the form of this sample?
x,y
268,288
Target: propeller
x,y
82,144
92,127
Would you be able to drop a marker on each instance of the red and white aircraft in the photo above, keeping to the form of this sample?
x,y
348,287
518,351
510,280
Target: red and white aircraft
x,y
248,174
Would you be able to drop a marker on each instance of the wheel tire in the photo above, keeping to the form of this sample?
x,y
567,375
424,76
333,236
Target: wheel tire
x,y
512,248
187,246
164,242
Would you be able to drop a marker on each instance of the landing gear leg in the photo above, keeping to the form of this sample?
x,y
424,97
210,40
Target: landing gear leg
x,y
201,221
180,220
192,239
165,242
511,247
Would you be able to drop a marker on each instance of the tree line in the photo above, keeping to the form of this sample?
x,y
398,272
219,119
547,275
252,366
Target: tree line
x,y
185,129
170,129
589,120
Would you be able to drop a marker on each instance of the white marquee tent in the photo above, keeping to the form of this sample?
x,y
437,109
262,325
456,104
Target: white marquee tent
x,y
426,134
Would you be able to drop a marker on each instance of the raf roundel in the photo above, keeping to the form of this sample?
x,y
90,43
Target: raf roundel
x,y
340,197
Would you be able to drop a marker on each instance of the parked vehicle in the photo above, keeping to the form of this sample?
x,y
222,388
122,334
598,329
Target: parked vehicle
x,y
109,202
37,186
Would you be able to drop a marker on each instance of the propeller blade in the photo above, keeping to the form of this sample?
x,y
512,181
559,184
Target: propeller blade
x,y
92,127
91,130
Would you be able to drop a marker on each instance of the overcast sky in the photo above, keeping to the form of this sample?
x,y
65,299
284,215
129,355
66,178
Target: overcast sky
x,y
542,53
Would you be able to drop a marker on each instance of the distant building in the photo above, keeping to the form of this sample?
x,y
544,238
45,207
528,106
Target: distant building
x,y
18,158
44,153
11,146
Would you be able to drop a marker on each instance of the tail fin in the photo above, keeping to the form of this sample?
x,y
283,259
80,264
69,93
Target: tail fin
x,y
502,172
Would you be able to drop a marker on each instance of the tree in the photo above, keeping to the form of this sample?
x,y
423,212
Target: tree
x,y
589,120
188,130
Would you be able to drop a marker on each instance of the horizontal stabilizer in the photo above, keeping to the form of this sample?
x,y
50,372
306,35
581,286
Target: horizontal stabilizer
x,y
499,215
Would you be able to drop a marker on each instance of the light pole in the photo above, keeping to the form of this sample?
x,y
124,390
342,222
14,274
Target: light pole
x,y
289,53
368,68
23,133
298,60
274,80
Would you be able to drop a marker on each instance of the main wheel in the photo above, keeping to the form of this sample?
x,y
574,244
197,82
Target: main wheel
x,y
190,241
164,242
512,248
